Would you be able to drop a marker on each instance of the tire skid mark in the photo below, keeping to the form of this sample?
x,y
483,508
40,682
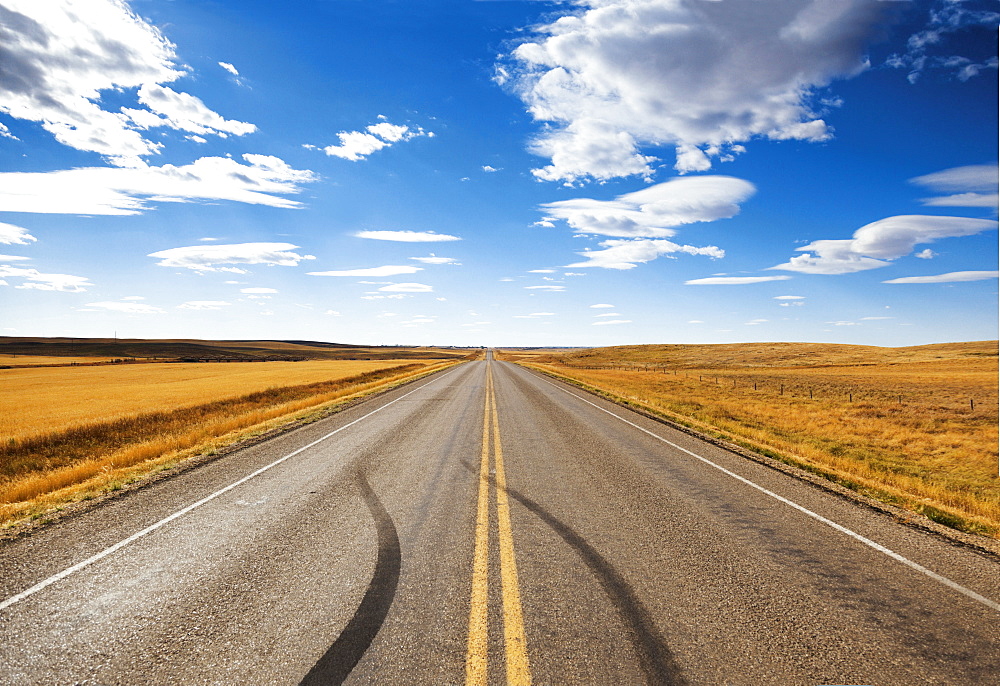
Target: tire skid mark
x,y
340,658
655,659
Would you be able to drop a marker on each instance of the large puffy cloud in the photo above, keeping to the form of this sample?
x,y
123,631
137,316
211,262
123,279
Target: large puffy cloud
x,y
206,258
702,76
117,191
625,254
33,279
974,185
650,212
876,243
60,55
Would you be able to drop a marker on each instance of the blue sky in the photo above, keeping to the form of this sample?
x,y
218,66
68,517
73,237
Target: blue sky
x,y
465,172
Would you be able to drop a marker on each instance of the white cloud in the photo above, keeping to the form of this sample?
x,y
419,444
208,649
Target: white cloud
x,y
949,28
872,319
125,307
258,290
11,235
14,258
873,244
33,279
182,111
387,270
704,76
734,280
5,133
696,321
434,259
407,288
652,211
203,305
927,254
789,297
625,254
332,313
608,314
843,323
61,55
970,186
117,191
612,321
489,170
546,288
600,305
357,145
541,271
407,236
230,68
951,277
204,258
396,296
755,322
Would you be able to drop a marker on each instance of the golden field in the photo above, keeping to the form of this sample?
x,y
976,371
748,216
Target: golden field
x,y
70,433
894,423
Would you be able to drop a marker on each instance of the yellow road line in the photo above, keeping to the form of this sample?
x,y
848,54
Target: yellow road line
x,y
518,670
478,645
515,644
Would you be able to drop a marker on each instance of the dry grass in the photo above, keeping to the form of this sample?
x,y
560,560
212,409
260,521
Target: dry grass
x,y
106,432
34,360
53,399
896,424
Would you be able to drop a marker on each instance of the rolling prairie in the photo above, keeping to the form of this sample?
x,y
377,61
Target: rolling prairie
x,y
914,426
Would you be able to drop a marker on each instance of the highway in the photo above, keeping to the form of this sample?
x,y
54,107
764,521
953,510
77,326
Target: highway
x,y
488,525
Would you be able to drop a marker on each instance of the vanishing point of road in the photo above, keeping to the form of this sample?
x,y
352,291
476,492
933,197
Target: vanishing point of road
x,y
487,525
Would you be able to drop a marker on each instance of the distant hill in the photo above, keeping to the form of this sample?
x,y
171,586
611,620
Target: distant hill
x,y
193,349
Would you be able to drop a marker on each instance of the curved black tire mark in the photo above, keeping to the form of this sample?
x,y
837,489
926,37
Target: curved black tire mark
x,y
655,659
345,653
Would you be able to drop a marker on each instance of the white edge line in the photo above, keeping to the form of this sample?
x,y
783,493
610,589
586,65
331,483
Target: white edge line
x,y
180,513
867,541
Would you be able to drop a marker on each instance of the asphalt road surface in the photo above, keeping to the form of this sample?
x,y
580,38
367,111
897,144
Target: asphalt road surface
x,y
488,525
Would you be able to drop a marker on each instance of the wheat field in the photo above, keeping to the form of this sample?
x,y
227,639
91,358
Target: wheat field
x,y
70,433
917,427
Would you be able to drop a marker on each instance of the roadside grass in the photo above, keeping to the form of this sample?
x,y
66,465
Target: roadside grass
x,y
900,429
46,470
52,399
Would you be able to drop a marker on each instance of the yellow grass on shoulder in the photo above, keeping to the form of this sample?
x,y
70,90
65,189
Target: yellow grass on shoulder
x,y
914,426
70,433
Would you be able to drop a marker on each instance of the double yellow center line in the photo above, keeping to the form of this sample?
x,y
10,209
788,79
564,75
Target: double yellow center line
x,y
515,645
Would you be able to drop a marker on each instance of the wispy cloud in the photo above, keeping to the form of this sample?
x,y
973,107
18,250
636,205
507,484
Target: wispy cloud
x,y
203,305
653,211
407,236
387,270
15,235
627,254
545,288
950,277
357,145
434,259
610,322
970,186
407,288
36,280
875,244
124,307
119,191
734,280
206,258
